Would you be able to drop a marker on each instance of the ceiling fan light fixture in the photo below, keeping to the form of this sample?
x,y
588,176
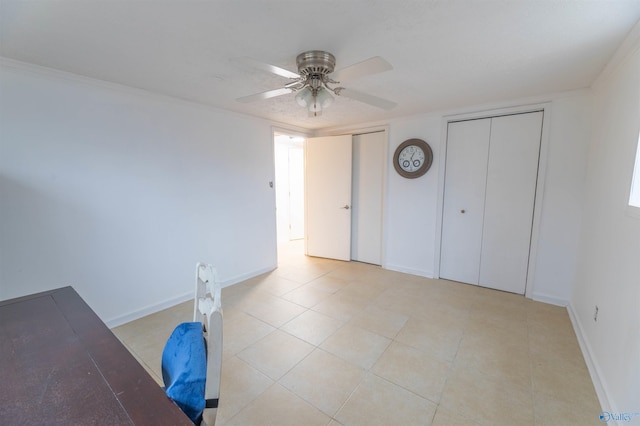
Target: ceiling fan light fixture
x,y
304,97
314,100
324,98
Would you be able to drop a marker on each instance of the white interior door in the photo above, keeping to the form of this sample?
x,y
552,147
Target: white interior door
x,y
510,195
463,212
328,197
367,190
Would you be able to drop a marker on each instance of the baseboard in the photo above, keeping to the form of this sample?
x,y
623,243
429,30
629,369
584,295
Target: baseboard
x,y
246,276
132,316
407,270
606,403
549,299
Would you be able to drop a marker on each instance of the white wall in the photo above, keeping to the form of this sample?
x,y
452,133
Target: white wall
x,y
412,204
561,215
119,193
608,273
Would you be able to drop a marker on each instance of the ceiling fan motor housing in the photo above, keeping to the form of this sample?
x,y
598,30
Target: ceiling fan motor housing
x,y
315,62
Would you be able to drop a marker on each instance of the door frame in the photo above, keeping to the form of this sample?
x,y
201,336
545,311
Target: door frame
x,y
540,183
385,168
276,130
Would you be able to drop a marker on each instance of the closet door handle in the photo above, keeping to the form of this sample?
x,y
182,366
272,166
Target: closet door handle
x,y
462,211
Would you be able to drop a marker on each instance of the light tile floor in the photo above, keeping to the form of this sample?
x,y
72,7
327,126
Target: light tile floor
x,y
323,342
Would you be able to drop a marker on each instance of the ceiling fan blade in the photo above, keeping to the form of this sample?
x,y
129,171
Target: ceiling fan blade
x,y
266,67
367,67
368,99
264,95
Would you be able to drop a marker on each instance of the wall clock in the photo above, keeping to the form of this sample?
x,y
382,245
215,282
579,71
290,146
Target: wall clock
x,y
412,158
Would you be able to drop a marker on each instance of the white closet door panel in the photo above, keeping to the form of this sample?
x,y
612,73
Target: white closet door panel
x,y
510,196
463,212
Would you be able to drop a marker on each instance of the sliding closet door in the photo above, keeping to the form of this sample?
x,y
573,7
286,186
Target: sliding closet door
x,y
463,215
512,174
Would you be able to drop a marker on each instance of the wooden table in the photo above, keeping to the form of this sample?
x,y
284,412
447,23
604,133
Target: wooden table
x,y
60,364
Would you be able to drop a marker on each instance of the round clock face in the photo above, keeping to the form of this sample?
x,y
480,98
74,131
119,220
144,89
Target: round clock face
x,y
413,158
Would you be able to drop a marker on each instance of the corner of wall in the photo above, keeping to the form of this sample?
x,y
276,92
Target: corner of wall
x,y
630,44
545,298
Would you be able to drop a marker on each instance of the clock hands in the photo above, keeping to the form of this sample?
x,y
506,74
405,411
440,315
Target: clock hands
x,y
416,163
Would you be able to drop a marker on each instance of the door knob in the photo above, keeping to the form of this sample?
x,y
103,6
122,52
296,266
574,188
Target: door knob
x,y
462,211
346,207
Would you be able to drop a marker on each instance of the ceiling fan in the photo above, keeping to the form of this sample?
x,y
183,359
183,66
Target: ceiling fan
x,y
316,79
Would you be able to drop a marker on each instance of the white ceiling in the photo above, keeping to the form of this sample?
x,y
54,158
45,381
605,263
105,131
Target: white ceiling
x,y
445,54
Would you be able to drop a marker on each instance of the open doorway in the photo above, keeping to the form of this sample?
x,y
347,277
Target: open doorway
x,y
289,176
344,196
363,204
